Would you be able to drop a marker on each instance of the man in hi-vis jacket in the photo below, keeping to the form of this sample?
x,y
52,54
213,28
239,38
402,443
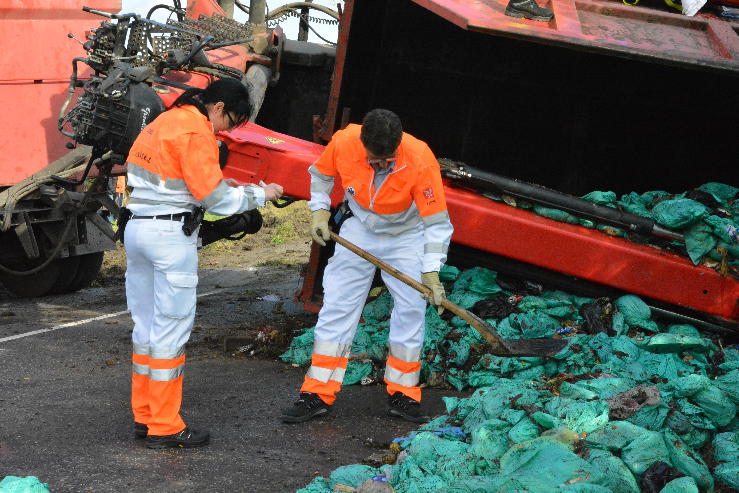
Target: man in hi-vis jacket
x,y
393,187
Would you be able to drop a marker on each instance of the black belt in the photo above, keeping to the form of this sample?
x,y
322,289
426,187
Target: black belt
x,y
171,217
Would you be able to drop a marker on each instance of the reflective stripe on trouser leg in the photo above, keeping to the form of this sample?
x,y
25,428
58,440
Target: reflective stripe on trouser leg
x,y
407,321
326,373
165,393
403,371
140,384
346,282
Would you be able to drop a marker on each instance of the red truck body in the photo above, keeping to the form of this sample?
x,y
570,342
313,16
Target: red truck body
x,y
472,96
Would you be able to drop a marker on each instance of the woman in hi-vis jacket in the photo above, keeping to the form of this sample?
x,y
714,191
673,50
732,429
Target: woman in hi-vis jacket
x,y
173,168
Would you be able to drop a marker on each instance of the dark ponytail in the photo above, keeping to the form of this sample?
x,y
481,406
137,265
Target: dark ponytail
x,y
234,94
193,97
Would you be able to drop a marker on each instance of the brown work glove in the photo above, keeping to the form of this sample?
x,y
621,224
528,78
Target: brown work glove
x,y
319,229
436,297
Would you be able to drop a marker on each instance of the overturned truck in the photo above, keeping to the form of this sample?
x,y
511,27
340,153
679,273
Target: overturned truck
x,y
532,114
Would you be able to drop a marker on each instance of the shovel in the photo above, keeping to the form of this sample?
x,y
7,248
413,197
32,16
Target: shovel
x,y
500,347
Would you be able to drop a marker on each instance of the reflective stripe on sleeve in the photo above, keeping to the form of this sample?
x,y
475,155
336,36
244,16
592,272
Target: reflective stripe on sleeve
x,y
411,355
326,374
167,375
400,378
321,187
216,195
439,217
313,170
435,248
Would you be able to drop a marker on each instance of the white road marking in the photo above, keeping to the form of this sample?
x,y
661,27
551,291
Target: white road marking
x,y
81,322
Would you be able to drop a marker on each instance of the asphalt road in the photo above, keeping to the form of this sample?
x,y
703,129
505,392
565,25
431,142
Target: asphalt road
x,y
64,396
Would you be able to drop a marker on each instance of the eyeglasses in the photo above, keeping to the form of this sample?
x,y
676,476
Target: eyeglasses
x,y
233,122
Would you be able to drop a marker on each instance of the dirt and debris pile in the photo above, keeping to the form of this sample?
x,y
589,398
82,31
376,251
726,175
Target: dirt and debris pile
x,y
630,404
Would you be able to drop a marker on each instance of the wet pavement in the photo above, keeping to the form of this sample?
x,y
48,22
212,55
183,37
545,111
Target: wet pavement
x,y
64,414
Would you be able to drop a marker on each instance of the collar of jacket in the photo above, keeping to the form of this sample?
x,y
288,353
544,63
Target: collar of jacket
x,y
192,109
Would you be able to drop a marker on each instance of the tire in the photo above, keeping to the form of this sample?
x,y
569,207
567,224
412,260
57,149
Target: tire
x,y
68,268
32,286
88,270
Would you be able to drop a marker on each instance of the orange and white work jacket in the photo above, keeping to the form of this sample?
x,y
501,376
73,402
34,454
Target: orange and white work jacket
x,y
173,167
411,195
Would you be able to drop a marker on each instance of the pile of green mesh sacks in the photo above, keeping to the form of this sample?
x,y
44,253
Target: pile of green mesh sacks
x,y
707,217
29,484
628,405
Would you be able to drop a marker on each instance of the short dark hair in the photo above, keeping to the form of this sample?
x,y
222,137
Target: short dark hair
x,y
381,132
234,94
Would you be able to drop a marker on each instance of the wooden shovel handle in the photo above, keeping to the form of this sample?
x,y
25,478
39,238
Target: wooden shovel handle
x,y
482,327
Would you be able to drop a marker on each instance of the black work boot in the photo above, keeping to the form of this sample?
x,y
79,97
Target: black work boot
x,y
528,9
404,407
308,406
140,430
187,438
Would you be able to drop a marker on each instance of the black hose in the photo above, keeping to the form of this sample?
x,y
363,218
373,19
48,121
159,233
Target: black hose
x,y
49,260
490,182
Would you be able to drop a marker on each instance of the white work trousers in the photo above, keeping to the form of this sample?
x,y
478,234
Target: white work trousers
x,y
346,283
161,279
348,279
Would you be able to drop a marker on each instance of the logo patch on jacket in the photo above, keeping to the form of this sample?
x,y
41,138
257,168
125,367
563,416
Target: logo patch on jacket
x,y
429,195
351,191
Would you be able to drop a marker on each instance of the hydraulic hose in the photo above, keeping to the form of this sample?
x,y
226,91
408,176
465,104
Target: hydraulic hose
x,y
483,180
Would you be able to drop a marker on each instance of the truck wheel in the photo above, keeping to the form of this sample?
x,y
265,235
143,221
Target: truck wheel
x,y
87,271
68,269
32,286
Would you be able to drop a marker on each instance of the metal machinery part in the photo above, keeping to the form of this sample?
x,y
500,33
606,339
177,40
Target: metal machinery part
x,y
53,223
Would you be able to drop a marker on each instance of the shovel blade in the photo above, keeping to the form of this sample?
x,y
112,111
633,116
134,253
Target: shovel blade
x,y
531,347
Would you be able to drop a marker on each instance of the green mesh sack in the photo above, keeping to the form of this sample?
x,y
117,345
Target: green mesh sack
x,y
29,484
633,203
318,485
721,227
578,416
644,451
556,214
680,485
448,273
545,460
636,312
352,475
678,213
699,240
676,343
614,436
300,349
601,198
726,455
472,485
379,309
729,384
356,371
722,192
687,461
484,282
611,472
